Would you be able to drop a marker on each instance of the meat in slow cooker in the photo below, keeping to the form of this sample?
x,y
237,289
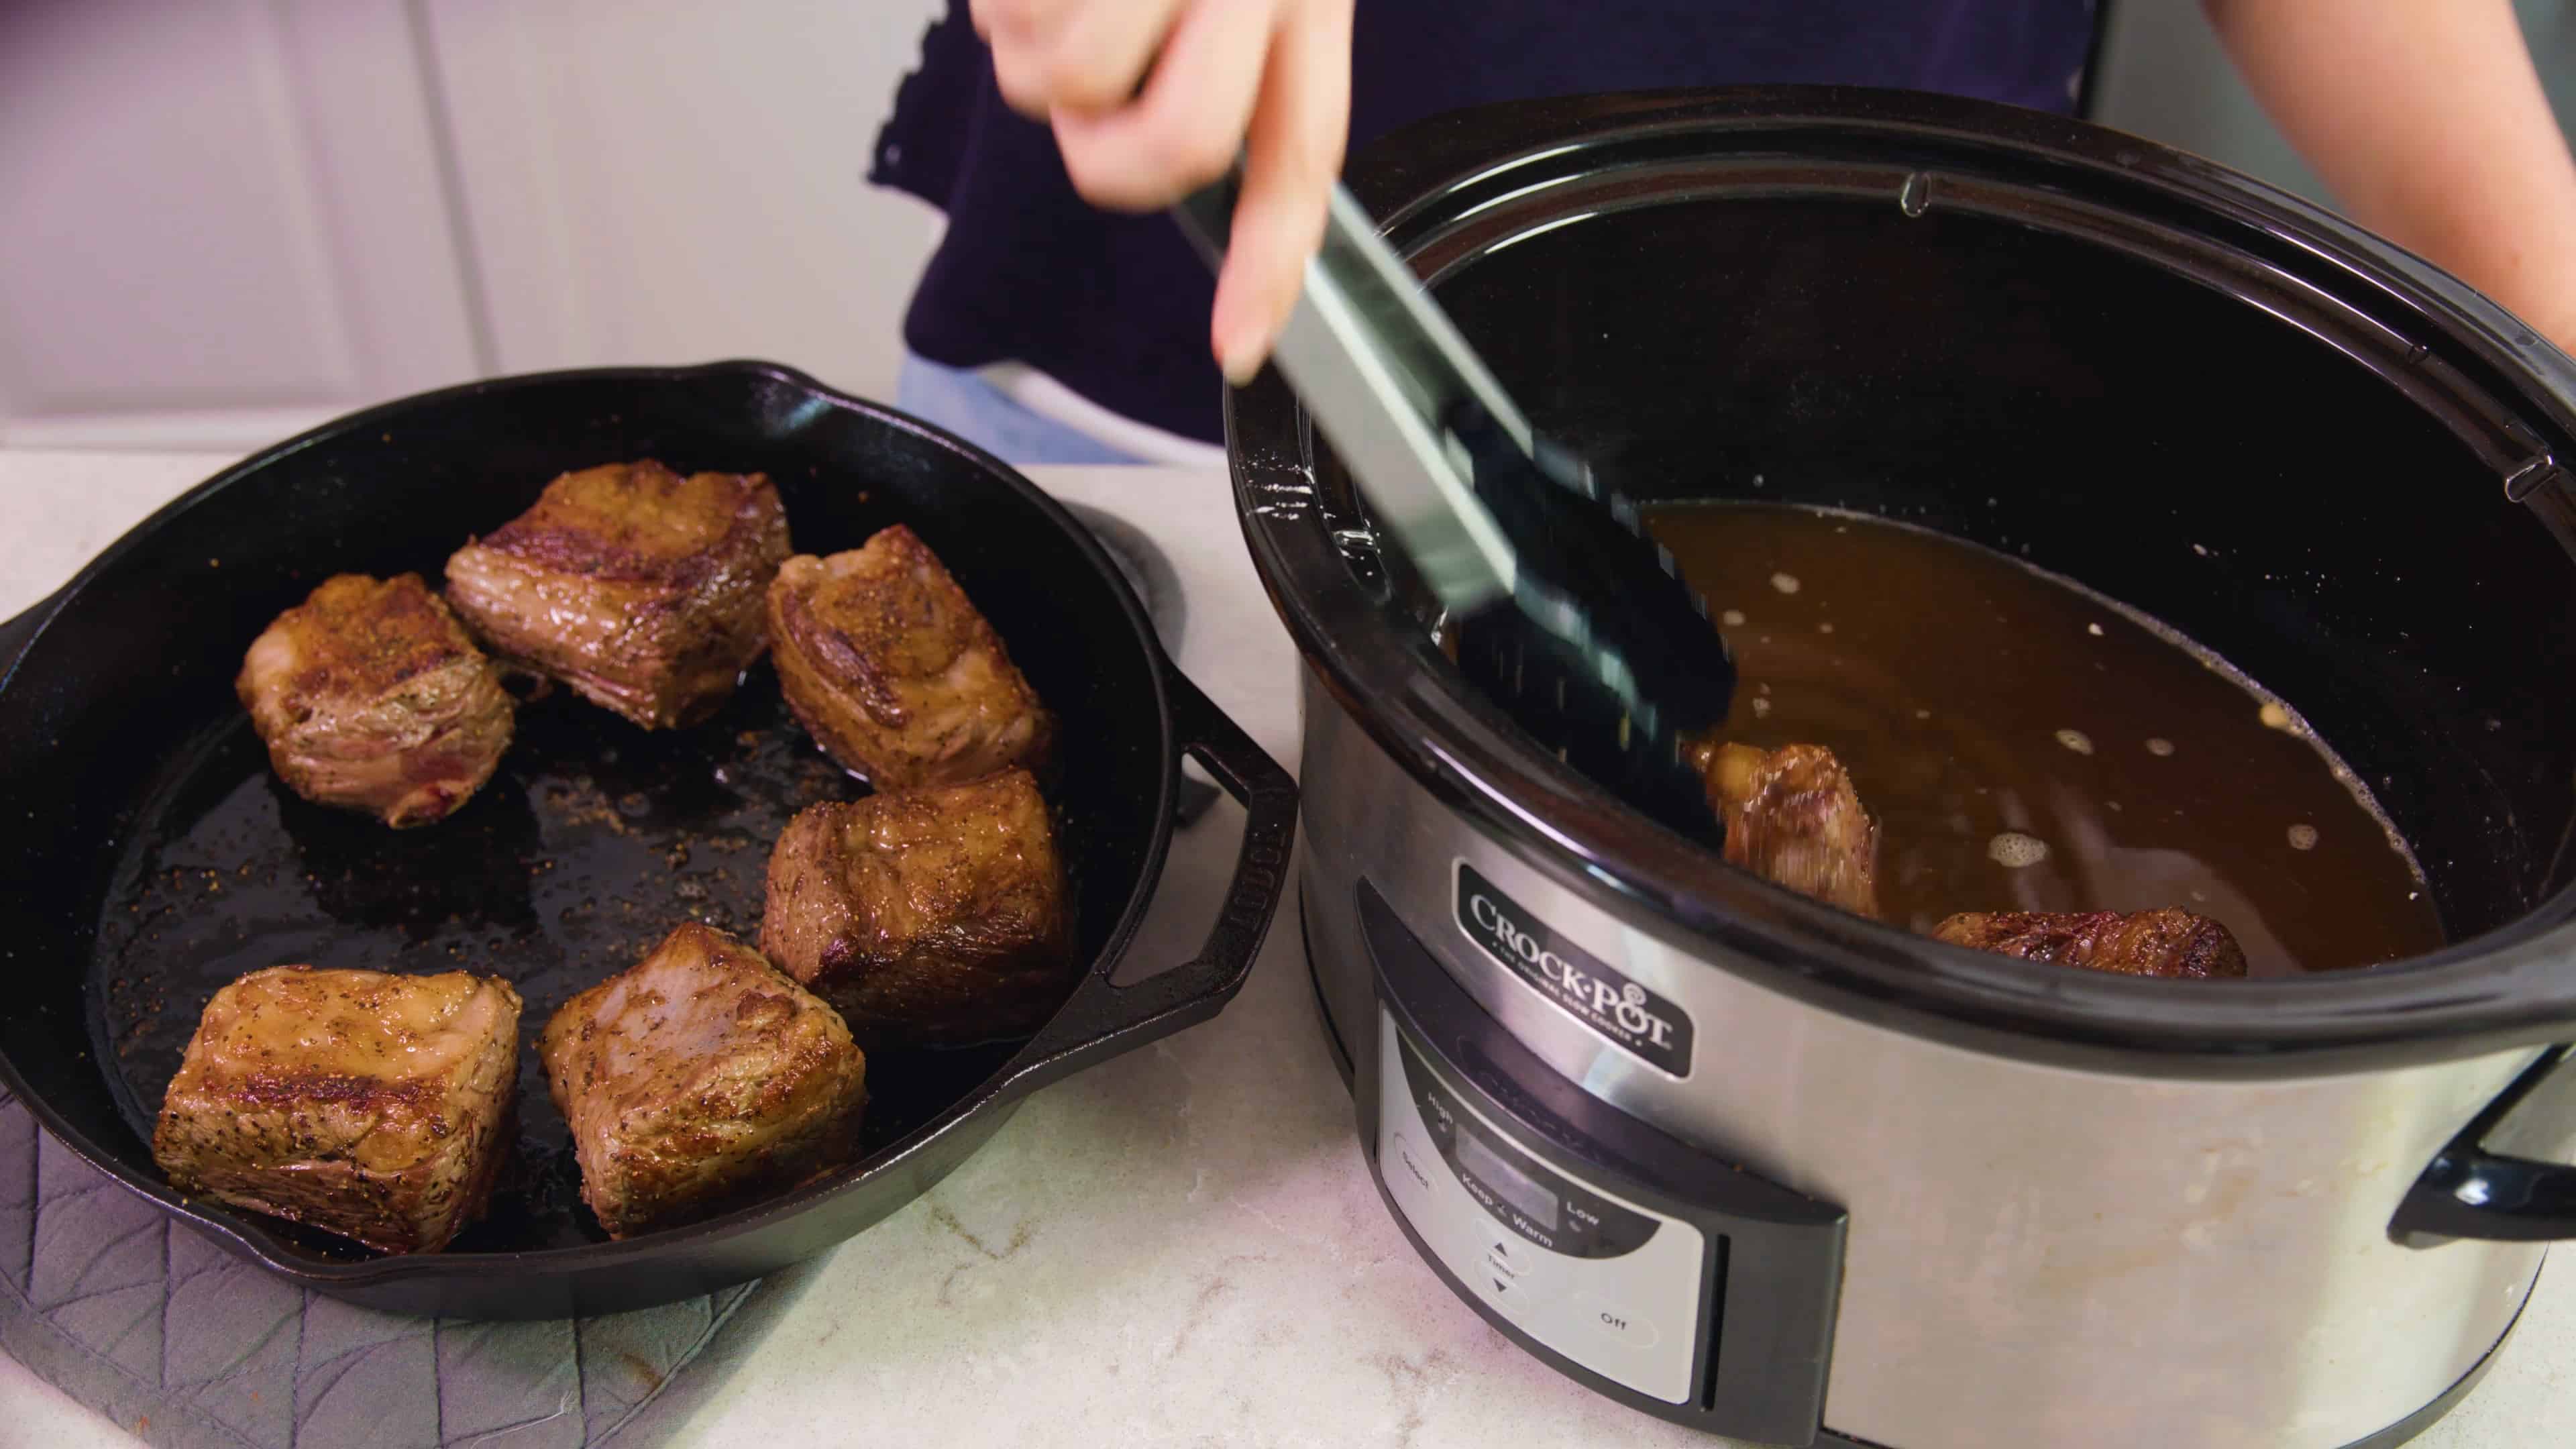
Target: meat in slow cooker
x,y
639,588
2168,942
371,697
1793,818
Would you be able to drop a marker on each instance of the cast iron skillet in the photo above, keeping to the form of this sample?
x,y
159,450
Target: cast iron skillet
x,y
154,857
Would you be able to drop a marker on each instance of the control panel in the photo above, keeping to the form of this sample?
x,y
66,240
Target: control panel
x,y
1651,1270
1611,1284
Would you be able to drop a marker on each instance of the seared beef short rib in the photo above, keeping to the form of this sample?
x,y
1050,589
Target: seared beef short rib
x,y
371,697
361,1103
639,588
1792,817
895,674
700,1079
2140,943
935,915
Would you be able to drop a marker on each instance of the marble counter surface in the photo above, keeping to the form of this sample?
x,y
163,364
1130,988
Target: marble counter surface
x,y
1179,1247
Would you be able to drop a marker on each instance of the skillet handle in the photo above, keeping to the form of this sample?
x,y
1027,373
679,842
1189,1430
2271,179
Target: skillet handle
x,y
1102,1020
2473,1191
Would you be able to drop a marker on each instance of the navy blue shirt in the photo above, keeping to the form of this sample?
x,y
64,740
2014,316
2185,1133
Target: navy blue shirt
x,y
1116,307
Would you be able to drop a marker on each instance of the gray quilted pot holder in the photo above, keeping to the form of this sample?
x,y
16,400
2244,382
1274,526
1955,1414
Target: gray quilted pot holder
x,y
190,1347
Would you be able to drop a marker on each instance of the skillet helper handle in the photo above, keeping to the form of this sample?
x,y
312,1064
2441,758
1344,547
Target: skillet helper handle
x,y
1103,1020
2475,1192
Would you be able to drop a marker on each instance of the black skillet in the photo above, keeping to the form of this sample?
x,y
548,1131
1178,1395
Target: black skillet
x,y
151,856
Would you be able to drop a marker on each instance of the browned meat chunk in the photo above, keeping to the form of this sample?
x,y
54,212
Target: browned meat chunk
x,y
929,915
1792,817
698,1080
371,697
2141,943
638,587
893,671
364,1104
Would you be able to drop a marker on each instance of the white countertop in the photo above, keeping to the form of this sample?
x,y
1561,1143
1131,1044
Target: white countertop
x,y
1179,1246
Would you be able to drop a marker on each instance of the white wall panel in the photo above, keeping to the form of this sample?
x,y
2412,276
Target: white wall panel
x,y
223,219
651,181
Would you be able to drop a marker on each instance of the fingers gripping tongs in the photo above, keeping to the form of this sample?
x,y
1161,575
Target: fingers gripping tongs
x,y
1566,614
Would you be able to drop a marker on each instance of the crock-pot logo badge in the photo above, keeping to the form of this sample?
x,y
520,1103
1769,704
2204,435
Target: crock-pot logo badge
x,y
1627,1013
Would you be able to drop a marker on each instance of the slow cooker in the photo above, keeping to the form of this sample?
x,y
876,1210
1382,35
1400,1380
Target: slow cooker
x,y
1751,1164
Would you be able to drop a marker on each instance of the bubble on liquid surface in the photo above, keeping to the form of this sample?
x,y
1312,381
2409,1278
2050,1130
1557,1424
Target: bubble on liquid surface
x,y
1732,618
2076,740
2303,837
1785,583
2013,850
2160,747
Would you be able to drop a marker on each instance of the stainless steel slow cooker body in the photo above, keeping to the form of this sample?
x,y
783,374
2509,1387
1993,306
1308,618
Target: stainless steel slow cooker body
x,y
2062,1208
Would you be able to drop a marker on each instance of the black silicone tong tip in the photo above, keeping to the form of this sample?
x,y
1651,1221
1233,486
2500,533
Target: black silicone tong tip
x,y
1602,653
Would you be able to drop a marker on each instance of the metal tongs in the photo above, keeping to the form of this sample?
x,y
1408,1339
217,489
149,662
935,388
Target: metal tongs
x,y
1566,614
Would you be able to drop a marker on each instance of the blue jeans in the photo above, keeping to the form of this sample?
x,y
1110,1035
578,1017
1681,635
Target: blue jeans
x,y
982,414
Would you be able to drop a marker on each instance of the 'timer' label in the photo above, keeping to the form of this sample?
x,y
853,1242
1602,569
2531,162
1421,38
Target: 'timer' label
x,y
1632,1017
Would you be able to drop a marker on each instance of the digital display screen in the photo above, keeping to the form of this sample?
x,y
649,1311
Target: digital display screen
x,y
1506,1181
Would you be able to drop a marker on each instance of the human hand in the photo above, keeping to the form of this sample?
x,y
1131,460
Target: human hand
x,y
1151,99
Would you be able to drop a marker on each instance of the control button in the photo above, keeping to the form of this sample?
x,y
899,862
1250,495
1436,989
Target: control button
x,y
1511,1266
1407,1154
1504,1291
1615,1323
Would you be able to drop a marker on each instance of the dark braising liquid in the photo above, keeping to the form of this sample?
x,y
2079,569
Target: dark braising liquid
x,y
2026,745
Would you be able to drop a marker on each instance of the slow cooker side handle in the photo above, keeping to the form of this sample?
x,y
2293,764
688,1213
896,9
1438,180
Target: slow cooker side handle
x,y
1101,1019
2473,1191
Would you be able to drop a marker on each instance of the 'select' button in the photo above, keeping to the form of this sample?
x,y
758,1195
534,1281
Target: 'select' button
x,y
1404,1154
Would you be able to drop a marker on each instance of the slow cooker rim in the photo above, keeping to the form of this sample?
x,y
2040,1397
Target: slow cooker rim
x,y
2492,992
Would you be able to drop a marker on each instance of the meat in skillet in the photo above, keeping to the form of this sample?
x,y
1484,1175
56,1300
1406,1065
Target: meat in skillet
x,y
700,1079
639,588
371,697
365,1104
2141,943
934,915
895,674
1792,817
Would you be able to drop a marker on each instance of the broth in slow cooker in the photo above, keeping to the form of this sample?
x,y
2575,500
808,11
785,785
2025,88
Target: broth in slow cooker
x,y
2025,745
